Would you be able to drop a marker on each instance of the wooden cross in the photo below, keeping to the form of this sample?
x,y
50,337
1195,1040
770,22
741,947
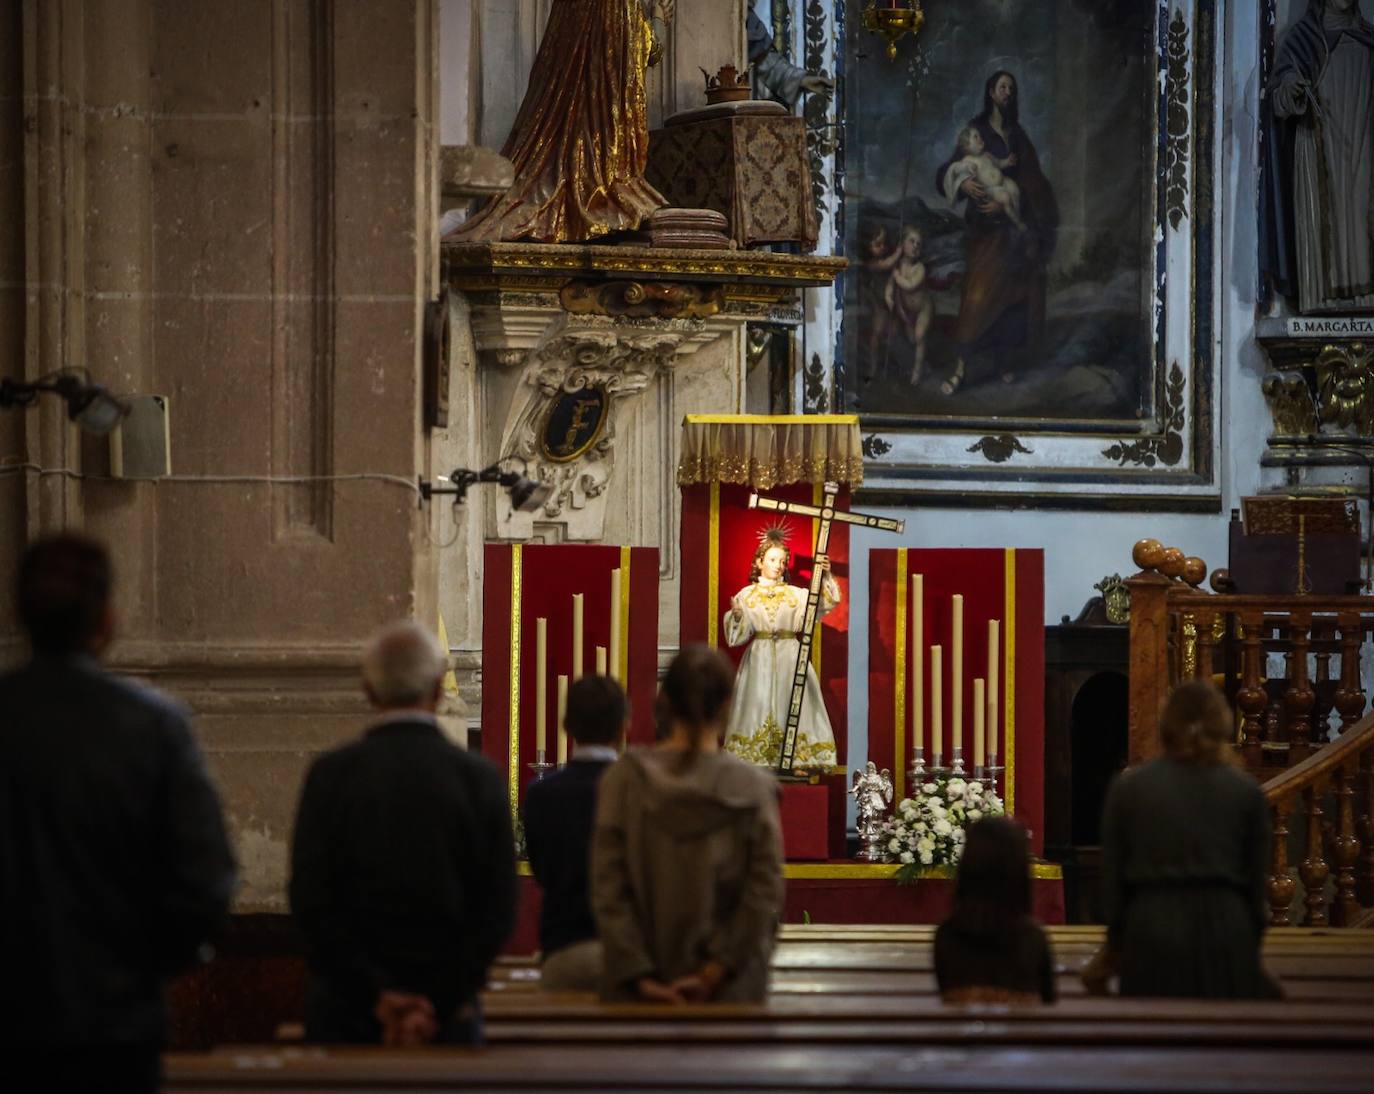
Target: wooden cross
x,y
827,514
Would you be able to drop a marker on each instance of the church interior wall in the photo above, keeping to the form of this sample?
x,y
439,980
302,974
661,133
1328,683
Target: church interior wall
x,y
251,601
1081,546
230,206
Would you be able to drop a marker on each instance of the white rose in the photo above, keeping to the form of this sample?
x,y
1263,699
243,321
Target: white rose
x,y
894,844
975,814
925,846
908,857
943,827
920,826
929,788
958,835
955,788
927,858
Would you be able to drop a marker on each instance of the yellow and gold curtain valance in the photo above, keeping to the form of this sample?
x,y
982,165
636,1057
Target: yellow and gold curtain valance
x,y
762,450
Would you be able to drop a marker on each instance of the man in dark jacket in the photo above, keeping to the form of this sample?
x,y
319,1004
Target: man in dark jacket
x,y
403,865
559,813
114,866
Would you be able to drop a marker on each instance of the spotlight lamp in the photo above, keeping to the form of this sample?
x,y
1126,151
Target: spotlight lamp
x,y
526,495
89,405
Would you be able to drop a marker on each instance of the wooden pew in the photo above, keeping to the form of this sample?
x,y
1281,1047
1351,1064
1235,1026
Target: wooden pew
x,y
786,1067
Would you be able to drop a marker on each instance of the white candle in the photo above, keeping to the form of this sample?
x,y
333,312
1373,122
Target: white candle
x,y
562,716
936,704
978,738
956,673
601,660
577,637
918,714
615,623
994,661
541,682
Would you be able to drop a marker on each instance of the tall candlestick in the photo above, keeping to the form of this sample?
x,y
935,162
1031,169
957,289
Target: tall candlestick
x,y
541,682
577,665
994,662
936,704
601,660
956,672
918,714
978,738
615,623
562,715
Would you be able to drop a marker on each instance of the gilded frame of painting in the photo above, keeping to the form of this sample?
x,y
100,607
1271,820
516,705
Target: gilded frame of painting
x,y
1166,456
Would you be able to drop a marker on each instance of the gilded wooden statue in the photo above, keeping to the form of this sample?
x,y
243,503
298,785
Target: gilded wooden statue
x,y
580,143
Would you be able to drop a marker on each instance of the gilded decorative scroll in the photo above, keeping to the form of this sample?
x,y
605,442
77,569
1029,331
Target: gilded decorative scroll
x,y
1165,447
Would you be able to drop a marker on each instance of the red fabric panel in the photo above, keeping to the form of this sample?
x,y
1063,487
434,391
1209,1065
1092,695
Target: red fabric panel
x,y
805,821
495,646
550,575
739,537
694,534
840,900
643,640
1030,694
980,576
882,626
881,900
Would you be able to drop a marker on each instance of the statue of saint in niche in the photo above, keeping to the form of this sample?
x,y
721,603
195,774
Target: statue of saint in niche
x,y
1319,178
580,143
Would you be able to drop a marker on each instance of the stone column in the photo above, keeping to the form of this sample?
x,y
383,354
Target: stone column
x,y
234,206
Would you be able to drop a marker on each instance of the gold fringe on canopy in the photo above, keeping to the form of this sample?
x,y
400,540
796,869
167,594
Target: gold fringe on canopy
x,y
763,451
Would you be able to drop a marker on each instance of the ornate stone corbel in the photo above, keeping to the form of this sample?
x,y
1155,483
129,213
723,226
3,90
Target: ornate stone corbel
x,y
561,427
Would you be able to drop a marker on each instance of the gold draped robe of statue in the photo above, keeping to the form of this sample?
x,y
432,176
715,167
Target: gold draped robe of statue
x,y
581,140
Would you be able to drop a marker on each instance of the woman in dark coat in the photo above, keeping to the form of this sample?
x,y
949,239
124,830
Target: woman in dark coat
x,y
1185,854
1002,310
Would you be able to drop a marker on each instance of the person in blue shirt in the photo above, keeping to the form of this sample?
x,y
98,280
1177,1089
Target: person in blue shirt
x,y
559,811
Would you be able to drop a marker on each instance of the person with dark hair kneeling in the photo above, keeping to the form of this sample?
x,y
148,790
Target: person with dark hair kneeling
x,y
687,854
559,811
990,950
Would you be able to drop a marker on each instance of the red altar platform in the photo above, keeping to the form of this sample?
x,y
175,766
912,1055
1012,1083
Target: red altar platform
x,y
726,457
1003,584
839,892
524,583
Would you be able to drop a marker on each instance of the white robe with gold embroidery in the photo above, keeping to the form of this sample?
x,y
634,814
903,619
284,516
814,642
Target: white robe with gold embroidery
x,y
771,616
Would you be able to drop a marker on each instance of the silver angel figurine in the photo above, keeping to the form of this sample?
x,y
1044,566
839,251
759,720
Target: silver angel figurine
x,y
873,795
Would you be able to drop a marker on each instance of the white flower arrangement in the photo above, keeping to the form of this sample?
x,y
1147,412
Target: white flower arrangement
x,y
927,829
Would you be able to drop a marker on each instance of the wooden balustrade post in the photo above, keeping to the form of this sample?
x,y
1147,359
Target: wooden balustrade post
x,y
1314,870
1251,697
1345,850
1300,696
1323,639
1282,884
1350,693
1364,880
1149,668
1206,645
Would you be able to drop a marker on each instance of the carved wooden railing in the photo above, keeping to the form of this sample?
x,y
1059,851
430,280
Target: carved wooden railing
x,y
1340,779
1287,663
